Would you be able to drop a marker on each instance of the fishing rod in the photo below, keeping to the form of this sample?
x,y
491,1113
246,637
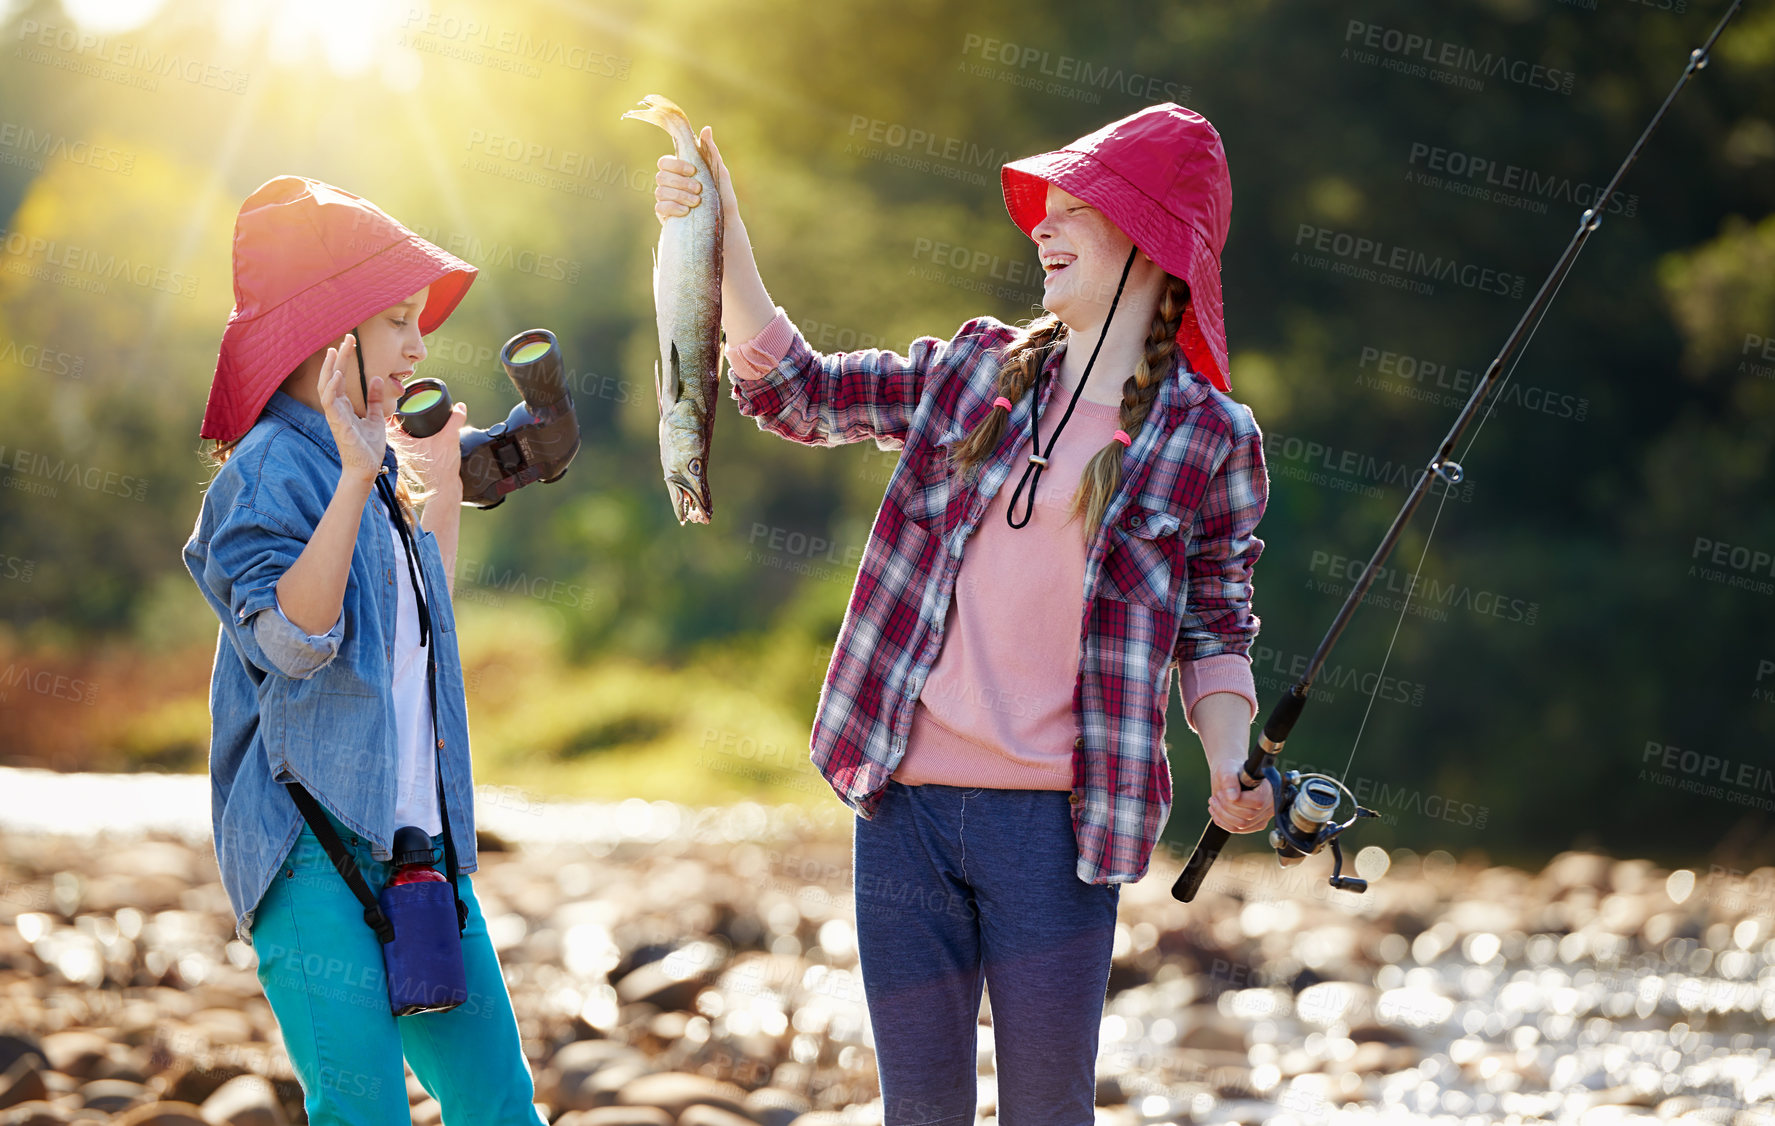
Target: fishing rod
x,y
1306,806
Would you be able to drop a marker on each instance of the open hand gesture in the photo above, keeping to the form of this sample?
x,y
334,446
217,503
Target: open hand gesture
x,y
362,438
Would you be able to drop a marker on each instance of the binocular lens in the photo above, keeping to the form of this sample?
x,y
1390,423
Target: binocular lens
x,y
525,353
423,399
423,408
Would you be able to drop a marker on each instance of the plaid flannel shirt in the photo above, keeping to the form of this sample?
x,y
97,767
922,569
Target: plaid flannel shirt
x,y
1167,575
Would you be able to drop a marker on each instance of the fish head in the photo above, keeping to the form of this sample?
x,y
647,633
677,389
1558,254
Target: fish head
x,y
690,494
683,455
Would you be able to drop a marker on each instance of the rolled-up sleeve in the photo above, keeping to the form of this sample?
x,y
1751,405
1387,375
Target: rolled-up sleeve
x,y
286,645
1222,554
1227,672
248,553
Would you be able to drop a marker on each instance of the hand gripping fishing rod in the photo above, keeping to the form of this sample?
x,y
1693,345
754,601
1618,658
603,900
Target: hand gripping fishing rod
x,y
1306,807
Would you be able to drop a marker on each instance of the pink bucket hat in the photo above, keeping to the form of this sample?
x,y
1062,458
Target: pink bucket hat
x,y
1160,175
311,263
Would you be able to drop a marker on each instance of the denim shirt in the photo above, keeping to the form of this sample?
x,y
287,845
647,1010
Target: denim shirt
x,y
286,705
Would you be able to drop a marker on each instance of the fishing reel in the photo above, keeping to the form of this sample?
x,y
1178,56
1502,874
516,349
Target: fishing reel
x,y
1306,806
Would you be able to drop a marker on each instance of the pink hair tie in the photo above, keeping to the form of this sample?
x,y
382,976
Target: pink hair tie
x,y
1122,437
1001,401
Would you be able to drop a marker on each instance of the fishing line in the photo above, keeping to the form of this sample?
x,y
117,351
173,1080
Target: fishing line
x,y
1307,804
1411,587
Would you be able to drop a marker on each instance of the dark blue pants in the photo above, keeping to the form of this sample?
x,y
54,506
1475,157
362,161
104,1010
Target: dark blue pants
x,y
958,888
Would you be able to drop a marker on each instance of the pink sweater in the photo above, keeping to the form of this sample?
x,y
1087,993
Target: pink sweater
x,y
996,709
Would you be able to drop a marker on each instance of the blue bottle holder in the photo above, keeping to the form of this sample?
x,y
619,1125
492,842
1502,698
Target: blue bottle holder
x,y
424,962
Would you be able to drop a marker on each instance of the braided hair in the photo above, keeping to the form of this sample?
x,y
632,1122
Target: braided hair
x,y
1023,360
1104,472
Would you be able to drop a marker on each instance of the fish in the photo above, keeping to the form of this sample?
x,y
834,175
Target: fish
x,y
687,308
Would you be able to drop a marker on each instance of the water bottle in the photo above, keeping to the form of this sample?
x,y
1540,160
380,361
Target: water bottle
x,y
424,962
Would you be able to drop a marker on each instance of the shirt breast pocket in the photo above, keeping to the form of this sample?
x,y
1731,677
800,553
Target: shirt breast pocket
x,y
930,478
1145,558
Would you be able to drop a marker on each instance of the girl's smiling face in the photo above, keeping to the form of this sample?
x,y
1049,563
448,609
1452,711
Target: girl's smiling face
x,y
1082,255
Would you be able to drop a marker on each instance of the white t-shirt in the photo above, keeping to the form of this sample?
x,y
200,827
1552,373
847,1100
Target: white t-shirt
x,y
416,778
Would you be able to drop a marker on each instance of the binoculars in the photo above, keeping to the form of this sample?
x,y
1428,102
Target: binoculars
x,y
537,440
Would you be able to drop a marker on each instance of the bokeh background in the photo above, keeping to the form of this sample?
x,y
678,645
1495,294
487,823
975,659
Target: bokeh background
x,y
1597,594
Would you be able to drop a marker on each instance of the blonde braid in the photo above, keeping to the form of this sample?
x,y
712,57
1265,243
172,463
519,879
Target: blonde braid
x,y
1016,374
1098,483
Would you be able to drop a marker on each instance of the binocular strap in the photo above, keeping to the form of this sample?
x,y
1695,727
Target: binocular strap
x,y
311,809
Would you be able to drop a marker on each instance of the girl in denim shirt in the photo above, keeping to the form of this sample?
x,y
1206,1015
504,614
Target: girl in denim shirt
x,y
328,623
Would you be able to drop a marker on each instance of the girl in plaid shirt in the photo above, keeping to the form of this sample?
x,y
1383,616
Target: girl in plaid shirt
x,y
995,708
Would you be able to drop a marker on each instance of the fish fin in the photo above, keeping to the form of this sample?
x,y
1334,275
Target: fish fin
x,y
665,382
677,385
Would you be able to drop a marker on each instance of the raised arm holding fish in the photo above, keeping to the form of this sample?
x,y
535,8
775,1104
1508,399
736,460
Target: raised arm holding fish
x,y
975,580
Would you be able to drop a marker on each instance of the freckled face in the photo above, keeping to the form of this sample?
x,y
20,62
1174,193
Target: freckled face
x,y
1082,254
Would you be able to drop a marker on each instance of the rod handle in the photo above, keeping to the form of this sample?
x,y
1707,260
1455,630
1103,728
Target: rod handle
x,y
1189,881
1213,839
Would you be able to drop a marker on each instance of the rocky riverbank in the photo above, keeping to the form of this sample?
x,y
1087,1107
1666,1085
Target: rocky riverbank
x,y
699,969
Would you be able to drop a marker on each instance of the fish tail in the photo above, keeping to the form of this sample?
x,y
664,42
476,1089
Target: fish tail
x,y
664,112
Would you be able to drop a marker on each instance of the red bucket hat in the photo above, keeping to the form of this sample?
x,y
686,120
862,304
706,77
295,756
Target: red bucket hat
x,y
1160,175
311,263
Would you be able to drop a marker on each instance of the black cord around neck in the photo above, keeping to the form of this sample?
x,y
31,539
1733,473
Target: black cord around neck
x,y
1032,473
412,553
394,513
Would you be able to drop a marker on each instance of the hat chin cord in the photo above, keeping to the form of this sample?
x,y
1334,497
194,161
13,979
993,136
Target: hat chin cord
x,y
1032,473
362,383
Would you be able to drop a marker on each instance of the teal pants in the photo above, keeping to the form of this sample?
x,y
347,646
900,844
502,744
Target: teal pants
x,y
321,967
